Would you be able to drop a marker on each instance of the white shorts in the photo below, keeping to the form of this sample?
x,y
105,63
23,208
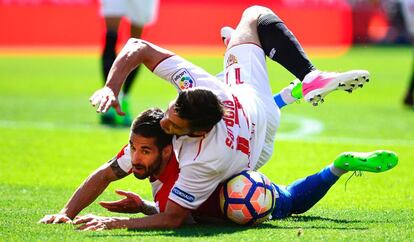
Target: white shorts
x,y
139,12
408,14
245,70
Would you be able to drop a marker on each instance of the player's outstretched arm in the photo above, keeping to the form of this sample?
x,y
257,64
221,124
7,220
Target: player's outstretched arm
x,y
134,53
86,193
173,217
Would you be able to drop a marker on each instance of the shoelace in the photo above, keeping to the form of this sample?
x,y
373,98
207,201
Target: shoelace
x,y
355,173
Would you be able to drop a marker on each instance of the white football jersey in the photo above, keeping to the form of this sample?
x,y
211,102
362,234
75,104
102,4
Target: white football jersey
x,y
237,142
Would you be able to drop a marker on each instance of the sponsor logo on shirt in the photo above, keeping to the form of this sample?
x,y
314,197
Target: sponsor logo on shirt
x,y
183,79
184,195
232,59
231,118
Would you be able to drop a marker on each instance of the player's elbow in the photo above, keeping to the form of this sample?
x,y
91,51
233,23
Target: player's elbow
x,y
136,45
135,51
174,222
134,41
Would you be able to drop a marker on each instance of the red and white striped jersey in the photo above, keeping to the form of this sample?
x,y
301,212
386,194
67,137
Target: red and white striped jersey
x,y
162,186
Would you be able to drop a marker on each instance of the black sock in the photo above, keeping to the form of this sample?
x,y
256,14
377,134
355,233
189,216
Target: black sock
x,y
109,54
282,46
129,80
410,91
411,86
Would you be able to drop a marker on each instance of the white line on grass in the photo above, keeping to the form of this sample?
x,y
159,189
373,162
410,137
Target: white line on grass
x,y
307,127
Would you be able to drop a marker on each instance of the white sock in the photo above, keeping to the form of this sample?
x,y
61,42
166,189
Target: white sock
x,y
337,171
286,94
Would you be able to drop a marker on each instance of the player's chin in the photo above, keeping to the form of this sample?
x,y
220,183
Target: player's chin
x,y
140,173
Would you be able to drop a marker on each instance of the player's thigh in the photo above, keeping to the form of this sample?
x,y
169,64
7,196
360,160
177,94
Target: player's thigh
x,y
245,67
272,125
142,12
246,30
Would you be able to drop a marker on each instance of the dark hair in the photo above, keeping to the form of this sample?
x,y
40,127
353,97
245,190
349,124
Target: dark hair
x,y
200,107
147,124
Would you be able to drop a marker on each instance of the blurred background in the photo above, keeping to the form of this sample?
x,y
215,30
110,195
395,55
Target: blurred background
x,y
51,61
77,23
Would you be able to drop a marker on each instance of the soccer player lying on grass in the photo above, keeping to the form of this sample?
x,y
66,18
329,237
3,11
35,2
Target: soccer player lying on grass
x,y
158,156
222,128
150,154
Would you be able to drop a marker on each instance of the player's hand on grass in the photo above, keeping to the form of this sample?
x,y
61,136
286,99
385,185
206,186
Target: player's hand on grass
x,y
132,203
96,223
105,98
55,219
87,218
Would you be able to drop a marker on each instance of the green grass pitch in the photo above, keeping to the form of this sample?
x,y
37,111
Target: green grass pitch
x,y
50,140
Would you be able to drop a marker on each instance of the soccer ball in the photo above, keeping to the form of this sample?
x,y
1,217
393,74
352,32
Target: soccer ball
x,y
247,198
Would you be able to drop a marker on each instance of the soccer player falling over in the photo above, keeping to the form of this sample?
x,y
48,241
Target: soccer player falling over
x,y
221,128
150,154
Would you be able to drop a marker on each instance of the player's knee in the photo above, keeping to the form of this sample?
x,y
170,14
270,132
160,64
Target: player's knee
x,y
252,13
266,31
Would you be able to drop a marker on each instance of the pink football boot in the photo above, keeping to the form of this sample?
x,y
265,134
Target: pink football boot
x,y
317,84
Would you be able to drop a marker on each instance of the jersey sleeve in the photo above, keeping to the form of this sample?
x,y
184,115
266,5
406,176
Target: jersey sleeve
x,y
121,163
184,75
194,185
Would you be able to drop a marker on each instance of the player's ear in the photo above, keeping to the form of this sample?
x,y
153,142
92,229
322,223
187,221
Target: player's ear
x,y
167,151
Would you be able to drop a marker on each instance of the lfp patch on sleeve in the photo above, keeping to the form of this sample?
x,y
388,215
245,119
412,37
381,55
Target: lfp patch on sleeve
x,y
184,195
182,79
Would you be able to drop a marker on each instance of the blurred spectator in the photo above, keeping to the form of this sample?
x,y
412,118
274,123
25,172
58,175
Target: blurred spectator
x,y
407,9
139,13
378,21
368,21
397,32
400,27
